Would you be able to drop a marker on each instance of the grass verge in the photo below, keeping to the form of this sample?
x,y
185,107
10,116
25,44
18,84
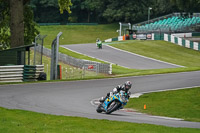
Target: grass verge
x,y
76,34
18,121
163,51
177,103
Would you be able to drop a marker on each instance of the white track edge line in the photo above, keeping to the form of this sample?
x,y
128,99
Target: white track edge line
x,y
169,89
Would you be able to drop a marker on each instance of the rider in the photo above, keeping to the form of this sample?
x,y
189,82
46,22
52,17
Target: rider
x,y
125,87
99,43
97,40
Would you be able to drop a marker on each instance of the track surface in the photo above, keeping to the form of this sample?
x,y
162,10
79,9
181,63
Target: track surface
x,y
119,57
74,98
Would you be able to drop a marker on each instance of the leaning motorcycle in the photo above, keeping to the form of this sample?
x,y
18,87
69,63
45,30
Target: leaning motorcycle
x,y
113,103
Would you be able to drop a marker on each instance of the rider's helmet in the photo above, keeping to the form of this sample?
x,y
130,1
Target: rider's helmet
x,y
127,85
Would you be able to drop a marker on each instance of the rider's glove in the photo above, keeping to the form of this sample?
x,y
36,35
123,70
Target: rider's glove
x,y
115,90
108,94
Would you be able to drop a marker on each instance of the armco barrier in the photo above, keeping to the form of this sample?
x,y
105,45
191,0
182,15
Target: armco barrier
x,y
11,73
182,42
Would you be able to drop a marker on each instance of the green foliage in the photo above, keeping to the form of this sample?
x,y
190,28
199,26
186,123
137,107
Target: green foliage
x,y
108,11
47,11
4,25
64,5
187,5
30,27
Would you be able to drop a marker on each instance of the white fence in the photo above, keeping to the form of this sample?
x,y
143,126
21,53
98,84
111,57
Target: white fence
x,y
80,63
182,41
11,73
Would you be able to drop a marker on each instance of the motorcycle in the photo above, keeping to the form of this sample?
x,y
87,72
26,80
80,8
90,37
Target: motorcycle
x,y
99,44
113,103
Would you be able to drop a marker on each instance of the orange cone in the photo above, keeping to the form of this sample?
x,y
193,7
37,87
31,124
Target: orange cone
x,y
145,107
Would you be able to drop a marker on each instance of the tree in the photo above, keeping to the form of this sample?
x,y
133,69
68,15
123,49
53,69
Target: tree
x,y
28,26
126,11
91,6
64,5
4,24
47,11
17,20
186,5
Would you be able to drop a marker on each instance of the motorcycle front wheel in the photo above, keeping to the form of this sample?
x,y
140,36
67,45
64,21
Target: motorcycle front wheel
x,y
114,105
99,110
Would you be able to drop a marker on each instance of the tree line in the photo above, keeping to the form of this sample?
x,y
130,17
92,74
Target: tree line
x,y
19,18
17,25
109,11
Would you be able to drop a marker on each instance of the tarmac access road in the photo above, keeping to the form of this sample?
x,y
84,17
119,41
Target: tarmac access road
x,y
74,98
120,57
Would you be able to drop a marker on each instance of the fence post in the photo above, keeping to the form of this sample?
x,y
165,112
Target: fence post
x,y
75,72
70,72
83,72
97,65
66,72
47,69
110,71
79,72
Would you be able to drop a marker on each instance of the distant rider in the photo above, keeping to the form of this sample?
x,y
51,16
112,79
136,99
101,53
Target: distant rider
x,y
124,87
97,41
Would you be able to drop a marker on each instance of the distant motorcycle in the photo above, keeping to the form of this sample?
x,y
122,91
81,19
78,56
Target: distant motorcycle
x,y
113,103
99,44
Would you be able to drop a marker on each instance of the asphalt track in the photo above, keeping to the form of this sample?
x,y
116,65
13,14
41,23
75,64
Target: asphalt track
x,y
120,57
75,98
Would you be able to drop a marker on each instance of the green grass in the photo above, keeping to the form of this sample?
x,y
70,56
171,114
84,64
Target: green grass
x,y
163,51
160,50
76,34
178,103
18,121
